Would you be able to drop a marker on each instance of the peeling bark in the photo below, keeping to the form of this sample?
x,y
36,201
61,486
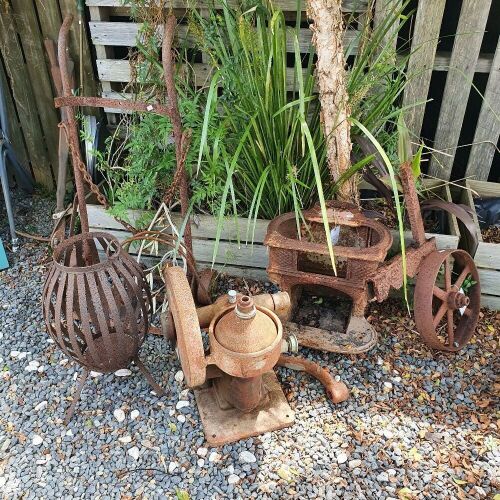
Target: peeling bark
x,y
328,29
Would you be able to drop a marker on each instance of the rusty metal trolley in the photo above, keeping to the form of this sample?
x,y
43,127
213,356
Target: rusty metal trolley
x,y
447,291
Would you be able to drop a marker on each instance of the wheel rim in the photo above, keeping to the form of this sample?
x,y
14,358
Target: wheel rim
x,y
446,304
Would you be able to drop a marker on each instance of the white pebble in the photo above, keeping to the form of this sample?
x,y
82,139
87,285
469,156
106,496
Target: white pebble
x,y
247,457
119,414
184,394
50,341
41,406
125,439
22,355
341,458
387,387
172,466
134,414
202,452
64,361
37,440
201,462
179,376
181,404
233,479
14,354
95,374
353,464
69,433
181,418
387,434
214,457
134,452
124,372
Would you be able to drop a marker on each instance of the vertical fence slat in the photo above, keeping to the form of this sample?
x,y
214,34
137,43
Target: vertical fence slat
x,y
471,25
14,132
50,18
89,84
488,126
23,97
383,9
423,46
31,42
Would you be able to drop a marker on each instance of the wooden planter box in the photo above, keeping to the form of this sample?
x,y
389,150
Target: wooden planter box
x,y
239,260
487,256
245,260
449,240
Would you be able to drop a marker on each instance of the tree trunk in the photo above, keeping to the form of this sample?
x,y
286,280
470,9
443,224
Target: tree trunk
x,y
328,30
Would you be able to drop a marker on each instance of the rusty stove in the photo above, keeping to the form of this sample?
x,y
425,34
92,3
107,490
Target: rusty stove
x,y
445,316
361,246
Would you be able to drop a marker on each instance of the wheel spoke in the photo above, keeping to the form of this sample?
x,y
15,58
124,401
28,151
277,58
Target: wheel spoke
x,y
439,315
440,294
458,283
449,320
447,274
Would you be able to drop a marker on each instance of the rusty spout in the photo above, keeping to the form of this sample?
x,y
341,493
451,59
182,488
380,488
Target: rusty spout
x,y
336,391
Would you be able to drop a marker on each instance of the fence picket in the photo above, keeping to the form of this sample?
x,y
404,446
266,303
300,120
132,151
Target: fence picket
x,y
466,47
488,126
424,44
22,92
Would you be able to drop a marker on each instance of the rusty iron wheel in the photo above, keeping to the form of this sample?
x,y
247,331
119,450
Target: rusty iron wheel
x,y
447,299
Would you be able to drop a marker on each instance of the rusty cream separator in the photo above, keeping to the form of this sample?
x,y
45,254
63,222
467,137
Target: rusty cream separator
x,y
236,389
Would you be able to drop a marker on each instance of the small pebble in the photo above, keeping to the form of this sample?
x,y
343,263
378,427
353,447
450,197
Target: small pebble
x,y
134,452
119,415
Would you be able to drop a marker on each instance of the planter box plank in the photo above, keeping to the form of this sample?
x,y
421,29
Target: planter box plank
x,y
487,256
203,226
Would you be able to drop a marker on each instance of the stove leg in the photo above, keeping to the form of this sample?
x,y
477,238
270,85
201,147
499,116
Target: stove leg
x,y
149,377
76,397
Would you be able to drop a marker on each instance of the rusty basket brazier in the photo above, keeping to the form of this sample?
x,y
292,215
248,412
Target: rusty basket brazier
x,y
96,305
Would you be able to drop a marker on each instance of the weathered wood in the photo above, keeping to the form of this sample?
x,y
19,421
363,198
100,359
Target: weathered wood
x,y
32,44
383,10
14,133
471,25
289,5
487,256
488,126
125,35
117,70
49,17
491,302
424,44
203,226
80,48
23,96
228,253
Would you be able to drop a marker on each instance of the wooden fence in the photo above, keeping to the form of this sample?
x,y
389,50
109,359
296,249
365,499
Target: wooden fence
x,y
110,29
25,23
25,75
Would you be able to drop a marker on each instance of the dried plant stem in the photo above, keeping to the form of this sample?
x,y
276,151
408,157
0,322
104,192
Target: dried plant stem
x,y
181,138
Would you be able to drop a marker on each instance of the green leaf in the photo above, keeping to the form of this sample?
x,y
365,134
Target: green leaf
x,y
399,214
415,163
181,494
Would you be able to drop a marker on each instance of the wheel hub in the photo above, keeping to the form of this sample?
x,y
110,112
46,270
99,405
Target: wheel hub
x,y
457,300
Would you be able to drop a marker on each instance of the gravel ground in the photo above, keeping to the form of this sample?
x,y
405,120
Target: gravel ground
x,y
416,426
